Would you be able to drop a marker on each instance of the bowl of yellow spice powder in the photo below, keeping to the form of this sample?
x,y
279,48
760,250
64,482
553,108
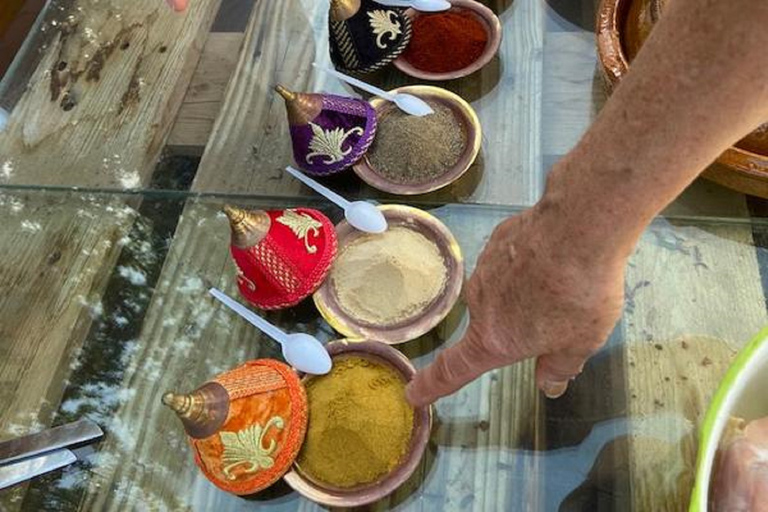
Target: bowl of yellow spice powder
x,y
415,155
392,286
363,438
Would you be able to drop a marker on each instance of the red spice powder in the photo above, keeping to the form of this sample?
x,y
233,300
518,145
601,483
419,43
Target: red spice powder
x,y
446,42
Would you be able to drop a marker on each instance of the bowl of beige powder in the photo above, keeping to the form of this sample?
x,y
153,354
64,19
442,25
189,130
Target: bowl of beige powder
x,y
394,286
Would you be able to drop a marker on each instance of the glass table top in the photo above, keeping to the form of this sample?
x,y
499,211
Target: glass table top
x,y
104,308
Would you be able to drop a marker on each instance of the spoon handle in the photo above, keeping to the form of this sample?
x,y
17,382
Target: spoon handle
x,y
357,83
252,318
320,189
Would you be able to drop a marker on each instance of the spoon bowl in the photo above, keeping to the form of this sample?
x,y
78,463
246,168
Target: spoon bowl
x,y
305,352
412,105
431,5
363,216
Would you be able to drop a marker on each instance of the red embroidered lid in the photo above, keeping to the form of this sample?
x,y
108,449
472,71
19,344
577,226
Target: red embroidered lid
x,y
282,256
254,442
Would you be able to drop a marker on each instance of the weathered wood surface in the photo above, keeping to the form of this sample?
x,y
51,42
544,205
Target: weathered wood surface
x,y
100,103
694,298
55,257
202,102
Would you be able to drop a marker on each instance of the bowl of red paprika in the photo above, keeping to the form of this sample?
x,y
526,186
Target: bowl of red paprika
x,y
450,44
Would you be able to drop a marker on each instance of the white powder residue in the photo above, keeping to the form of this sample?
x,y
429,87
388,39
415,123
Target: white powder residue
x,y
6,170
133,275
191,285
96,309
30,227
129,179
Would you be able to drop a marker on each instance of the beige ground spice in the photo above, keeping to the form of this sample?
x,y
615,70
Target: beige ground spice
x,y
386,279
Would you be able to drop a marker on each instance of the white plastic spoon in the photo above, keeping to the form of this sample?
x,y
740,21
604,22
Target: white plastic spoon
x,y
361,215
419,5
408,103
302,351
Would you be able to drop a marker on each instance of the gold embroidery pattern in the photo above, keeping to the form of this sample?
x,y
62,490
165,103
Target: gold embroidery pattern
x,y
247,447
301,224
276,267
242,279
328,143
383,24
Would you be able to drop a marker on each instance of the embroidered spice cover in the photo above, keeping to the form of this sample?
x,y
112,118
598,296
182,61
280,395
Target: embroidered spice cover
x,y
263,432
290,262
329,133
366,35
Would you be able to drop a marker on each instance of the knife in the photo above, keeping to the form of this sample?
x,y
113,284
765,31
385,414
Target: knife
x,y
36,454
80,431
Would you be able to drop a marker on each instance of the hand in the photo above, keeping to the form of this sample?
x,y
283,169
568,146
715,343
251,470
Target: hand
x,y
741,483
177,5
537,291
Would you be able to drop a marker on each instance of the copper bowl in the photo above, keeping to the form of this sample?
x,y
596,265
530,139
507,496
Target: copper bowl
x,y
622,27
422,425
469,121
492,26
434,230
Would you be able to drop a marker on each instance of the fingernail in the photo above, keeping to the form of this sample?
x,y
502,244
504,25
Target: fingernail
x,y
554,389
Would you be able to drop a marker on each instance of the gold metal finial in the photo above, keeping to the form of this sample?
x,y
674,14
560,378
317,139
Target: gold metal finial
x,y
202,411
344,9
285,93
248,227
302,107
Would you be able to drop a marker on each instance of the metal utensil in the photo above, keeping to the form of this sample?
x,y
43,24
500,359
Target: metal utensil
x,y
36,454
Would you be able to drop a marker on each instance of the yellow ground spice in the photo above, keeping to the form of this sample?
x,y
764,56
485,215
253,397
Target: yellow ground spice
x,y
360,423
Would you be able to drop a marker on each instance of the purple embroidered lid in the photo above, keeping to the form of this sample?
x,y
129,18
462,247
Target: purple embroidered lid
x,y
330,133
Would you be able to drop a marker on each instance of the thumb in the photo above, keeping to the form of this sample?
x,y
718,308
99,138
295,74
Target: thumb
x,y
554,371
454,367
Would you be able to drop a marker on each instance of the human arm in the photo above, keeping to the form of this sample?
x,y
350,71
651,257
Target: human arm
x,y
549,283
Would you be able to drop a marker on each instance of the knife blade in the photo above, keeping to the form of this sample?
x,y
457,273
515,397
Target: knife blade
x,y
53,439
21,470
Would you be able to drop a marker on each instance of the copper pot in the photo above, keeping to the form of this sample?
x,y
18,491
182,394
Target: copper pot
x,y
622,27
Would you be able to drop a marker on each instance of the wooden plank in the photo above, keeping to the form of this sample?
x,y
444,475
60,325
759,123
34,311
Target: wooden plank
x,y
101,101
202,102
55,256
694,297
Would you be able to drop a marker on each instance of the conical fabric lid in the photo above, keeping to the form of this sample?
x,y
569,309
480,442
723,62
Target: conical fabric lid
x,y
262,433
329,133
366,35
289,262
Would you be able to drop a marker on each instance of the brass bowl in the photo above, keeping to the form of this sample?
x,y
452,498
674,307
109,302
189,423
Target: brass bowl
x,y
622,26
469,121
492,26
422,425
434,230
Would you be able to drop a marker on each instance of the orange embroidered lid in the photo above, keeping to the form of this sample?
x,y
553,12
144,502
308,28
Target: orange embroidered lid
x,y
282,256
245,426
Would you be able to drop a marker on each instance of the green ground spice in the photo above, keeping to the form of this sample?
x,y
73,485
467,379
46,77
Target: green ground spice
x,y
412,150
